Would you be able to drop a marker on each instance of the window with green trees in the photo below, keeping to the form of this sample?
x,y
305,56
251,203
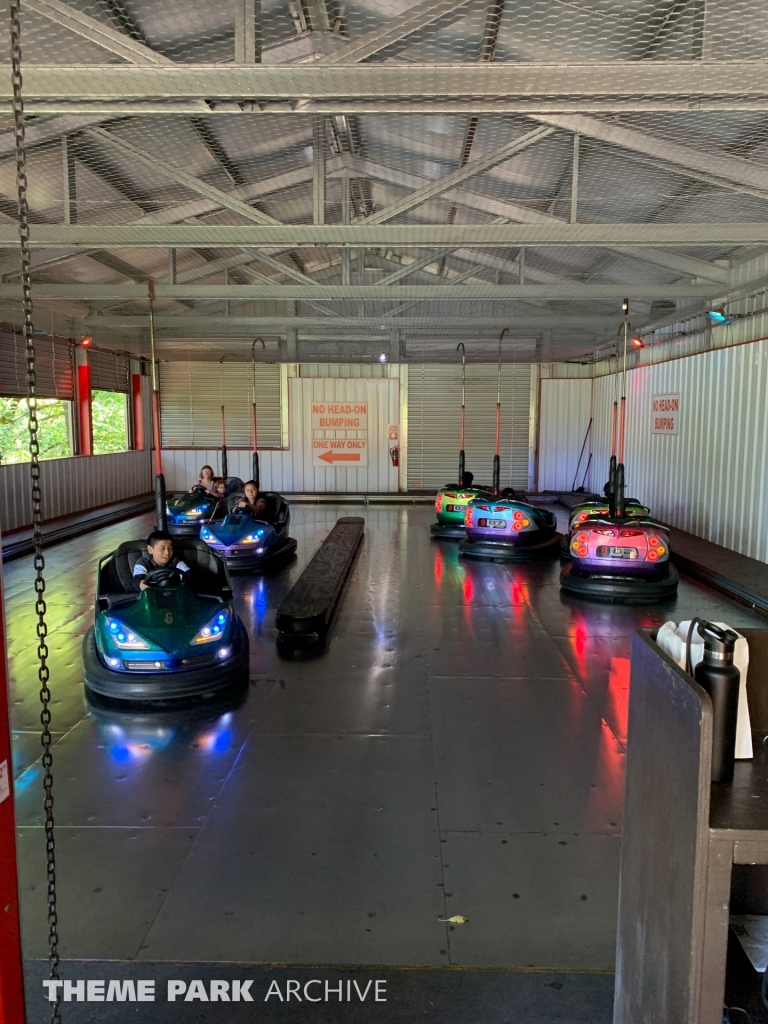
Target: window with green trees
x,y
54,417
110,422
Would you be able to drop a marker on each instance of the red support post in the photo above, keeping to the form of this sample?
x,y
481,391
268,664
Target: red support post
x,y
83,403
11,974
137,406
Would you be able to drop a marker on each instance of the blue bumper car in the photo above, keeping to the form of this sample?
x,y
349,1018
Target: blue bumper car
x,y
186,513
508,530
248,543
177,638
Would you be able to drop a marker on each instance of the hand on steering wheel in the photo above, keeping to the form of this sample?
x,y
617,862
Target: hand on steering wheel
x,y
164,577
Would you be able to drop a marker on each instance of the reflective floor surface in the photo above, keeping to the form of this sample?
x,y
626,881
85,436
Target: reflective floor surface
x,y
458,750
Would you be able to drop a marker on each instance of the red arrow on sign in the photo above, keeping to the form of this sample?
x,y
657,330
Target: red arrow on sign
x,y
338,457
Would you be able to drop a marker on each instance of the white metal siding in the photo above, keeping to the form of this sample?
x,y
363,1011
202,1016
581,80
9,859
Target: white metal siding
x,y
72,485
434,417
192,393
291,470
566,406
710,479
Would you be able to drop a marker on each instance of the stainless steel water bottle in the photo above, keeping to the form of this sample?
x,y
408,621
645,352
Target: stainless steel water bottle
x,y
718,675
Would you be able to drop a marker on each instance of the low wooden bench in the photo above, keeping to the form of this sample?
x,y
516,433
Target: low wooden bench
x,y
307,611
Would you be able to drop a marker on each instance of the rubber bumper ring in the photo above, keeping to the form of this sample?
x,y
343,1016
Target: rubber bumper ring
x,y
503,551
447,531
620,589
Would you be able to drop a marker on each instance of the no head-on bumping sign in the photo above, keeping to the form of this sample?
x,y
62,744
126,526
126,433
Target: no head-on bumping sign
x,y
665,413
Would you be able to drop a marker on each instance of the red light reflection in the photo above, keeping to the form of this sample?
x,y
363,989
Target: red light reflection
x,y
468,588
616,708
438,567
517,594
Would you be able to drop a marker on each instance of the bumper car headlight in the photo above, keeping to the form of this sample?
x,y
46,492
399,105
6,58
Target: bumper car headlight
x,y
253,538
213,630
126,639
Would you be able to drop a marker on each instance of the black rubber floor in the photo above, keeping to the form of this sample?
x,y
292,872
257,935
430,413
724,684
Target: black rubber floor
x,y
458,751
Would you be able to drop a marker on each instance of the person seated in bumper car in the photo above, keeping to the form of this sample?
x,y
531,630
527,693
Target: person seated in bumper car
x,y
159,556
219,489
206,479
252,501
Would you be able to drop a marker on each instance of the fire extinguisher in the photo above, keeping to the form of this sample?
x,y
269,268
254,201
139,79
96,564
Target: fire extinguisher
x,y
394,454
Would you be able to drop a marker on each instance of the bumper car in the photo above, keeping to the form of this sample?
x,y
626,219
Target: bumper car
x,y
177,638
245,542
450,506
589,509
508,530
187,512
620,560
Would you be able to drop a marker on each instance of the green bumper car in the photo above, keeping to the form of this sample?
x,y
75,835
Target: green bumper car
x,y
451,506
178,638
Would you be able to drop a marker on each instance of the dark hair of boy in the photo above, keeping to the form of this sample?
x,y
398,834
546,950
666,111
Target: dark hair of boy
x,y
156,536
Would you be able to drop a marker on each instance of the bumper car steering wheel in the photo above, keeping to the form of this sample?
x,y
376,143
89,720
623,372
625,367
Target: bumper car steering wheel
x,y
164,578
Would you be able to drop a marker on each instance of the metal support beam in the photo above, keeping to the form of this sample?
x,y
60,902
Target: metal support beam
x,y
318,170
521,264
107,38
410,268
183,177
334,292
469,170
296,236
172,278
70,182
247,34
575,180
721,169
317,16
505,87
398,31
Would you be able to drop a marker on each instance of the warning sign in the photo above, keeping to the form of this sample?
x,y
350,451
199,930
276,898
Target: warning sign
x,y
339,415
351,453
665,413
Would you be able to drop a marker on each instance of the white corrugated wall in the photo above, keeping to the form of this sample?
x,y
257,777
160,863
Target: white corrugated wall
x,y
72,485
711,478
290,470
564,414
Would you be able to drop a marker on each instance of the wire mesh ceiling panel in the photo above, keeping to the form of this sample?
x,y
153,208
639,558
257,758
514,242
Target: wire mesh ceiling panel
x,y
434,413
192,395
390,176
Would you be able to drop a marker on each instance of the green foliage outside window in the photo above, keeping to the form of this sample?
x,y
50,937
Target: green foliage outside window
x,y
110,422
53,434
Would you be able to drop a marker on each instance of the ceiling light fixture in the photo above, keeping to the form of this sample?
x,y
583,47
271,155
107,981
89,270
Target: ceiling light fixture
x,y
637,342
383,357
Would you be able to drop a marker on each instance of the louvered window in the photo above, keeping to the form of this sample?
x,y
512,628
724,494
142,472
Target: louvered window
x,y
191,396
109,371
53,366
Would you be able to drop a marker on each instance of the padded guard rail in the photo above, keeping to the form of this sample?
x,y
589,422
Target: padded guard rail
x,y
307,611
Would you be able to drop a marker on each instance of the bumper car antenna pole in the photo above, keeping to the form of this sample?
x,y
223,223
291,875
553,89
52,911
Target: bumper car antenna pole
x,y
610,487
224,466
256,475
496,459
161,519
620,488
462,462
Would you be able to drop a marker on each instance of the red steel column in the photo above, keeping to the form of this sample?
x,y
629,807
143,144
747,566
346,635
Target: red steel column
x,y
11,977
137,406
83,403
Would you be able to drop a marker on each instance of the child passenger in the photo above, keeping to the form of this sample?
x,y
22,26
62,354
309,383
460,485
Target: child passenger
x,y
219,487
205,479
159,555
252,501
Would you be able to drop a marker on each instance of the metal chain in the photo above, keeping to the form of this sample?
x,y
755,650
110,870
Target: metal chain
x,y
34,451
